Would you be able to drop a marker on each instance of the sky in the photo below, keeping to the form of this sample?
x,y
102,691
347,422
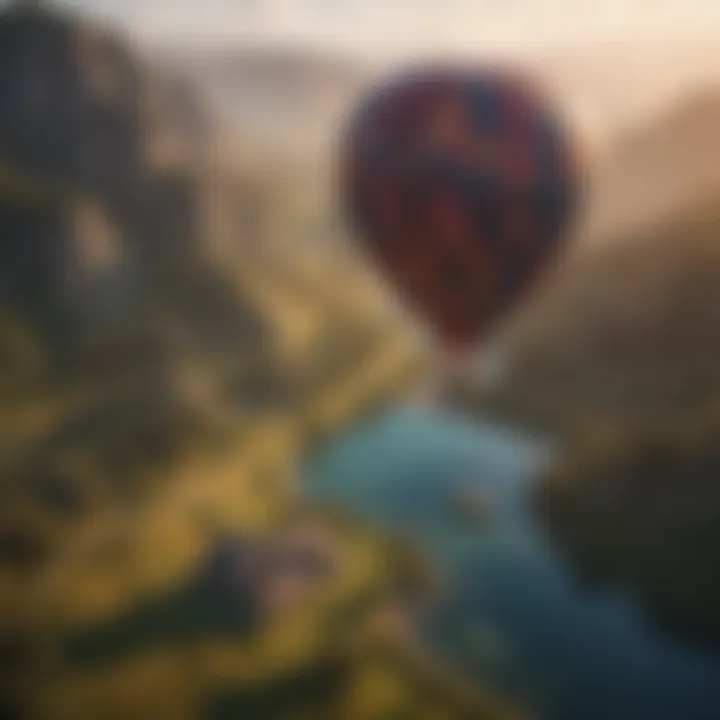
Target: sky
x,y
384,25
674,45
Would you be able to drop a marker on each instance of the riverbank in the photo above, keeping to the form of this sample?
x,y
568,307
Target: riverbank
x,y
513,615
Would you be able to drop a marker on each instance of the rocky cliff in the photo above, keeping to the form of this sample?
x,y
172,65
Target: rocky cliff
x,y
171,335
101,225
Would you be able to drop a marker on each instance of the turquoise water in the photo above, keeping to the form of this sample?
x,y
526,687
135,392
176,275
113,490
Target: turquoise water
x,y
513,616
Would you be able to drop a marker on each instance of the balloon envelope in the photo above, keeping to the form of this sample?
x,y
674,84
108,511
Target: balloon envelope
x,y
461,184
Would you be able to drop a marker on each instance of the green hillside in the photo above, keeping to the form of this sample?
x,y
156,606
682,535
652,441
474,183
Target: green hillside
x,y
623,333
639,510
173,338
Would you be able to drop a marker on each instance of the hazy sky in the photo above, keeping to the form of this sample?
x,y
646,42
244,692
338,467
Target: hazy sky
x,y
413,24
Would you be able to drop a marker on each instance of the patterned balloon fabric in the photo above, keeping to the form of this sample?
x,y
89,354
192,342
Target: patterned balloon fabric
x,y
461,184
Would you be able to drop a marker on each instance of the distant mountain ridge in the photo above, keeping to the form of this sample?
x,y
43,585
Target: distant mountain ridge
x,y
283,101
660,170
279,62
625,329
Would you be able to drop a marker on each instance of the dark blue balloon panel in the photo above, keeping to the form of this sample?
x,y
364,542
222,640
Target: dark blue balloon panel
x,y
461,183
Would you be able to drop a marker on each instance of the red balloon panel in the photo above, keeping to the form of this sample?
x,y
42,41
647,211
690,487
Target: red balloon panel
x,y
460,184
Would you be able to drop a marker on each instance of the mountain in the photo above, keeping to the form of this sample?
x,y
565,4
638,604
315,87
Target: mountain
x,y
104,232
623,330
605,89
664,168
639,510
609,88
174,334
621,333
285,101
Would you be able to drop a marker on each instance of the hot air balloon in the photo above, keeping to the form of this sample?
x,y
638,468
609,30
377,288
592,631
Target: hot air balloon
x,y
461,184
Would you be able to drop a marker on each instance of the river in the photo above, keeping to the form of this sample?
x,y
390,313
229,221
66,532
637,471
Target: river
x,y
513,615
